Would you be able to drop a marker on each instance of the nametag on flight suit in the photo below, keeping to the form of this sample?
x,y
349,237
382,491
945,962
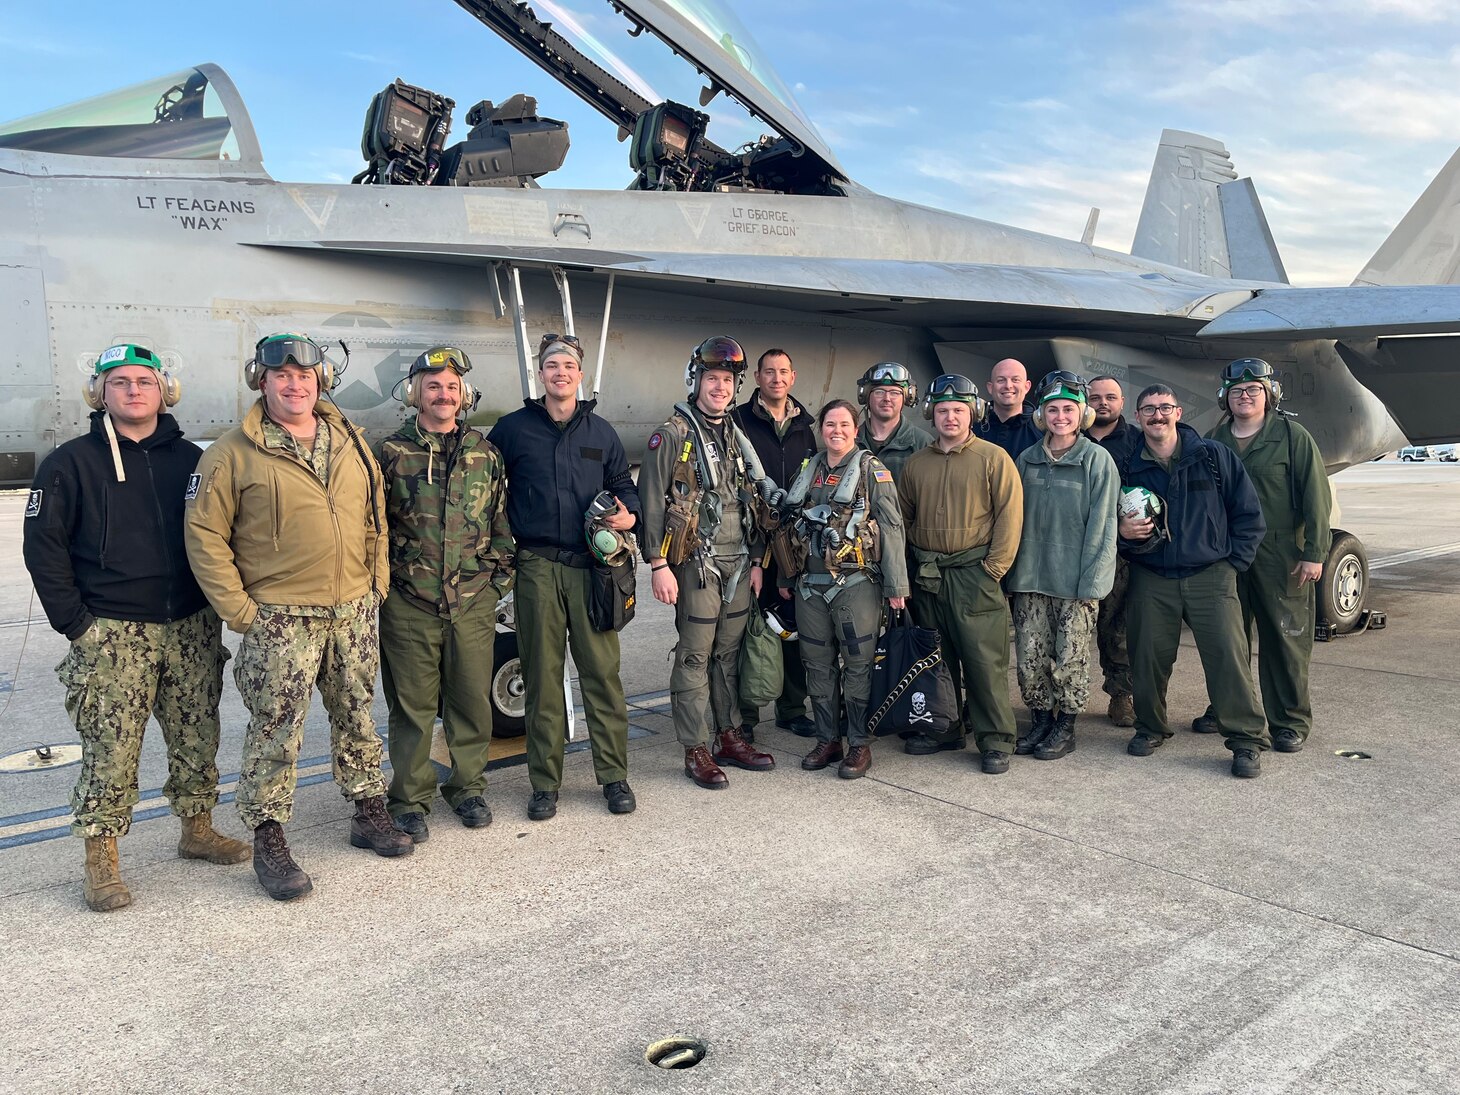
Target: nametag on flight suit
x,y
833,480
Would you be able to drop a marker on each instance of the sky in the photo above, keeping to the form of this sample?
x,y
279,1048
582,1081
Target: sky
x,y
1022,113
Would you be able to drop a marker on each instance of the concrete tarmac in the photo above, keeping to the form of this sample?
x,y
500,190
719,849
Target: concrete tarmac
x,y
1103,923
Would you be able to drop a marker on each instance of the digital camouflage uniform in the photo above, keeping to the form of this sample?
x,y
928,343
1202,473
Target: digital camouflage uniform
x,y
839,619
292,647
714,601
1052,651
450,561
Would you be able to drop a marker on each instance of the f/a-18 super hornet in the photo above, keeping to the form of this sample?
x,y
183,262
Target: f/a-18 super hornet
x,y
147,216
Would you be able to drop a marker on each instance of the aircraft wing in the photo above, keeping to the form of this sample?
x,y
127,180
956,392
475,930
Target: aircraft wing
x,y
1353,312
932,294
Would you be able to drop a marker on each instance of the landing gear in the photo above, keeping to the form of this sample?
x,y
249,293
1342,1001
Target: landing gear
x,y
506,689
1343,589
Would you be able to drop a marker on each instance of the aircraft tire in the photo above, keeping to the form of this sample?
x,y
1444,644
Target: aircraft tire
x,y
508,694
1345,582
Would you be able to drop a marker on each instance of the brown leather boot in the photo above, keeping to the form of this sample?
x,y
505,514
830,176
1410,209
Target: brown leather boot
x,y
201,841
277,872
102,885
859,759
704,771
731,748
372,828
1122,709
826,752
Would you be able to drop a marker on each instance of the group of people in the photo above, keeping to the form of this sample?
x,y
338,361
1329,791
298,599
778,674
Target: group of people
x,y
334,562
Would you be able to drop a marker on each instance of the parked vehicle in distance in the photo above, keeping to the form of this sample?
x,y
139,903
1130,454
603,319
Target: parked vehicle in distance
x,y
1414,452
1446,454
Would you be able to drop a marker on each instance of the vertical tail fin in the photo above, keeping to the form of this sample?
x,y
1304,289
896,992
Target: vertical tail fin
x,y
1424,248
1198,215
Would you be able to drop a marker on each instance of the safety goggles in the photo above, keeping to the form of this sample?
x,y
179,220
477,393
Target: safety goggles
x,y
548,339
952,386
126,354
1062,384
279,350
442,357
888,373
1247,368
720,350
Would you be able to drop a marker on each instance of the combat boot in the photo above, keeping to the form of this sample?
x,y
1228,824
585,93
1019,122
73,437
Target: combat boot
x,y
103,886
826,752
1060,740
277,872
201,841
859,759
1122,709
1040,723
372,828
704,771
731,748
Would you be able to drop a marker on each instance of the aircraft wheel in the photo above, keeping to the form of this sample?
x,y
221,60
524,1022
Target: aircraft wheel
x,y
508,691
1345,582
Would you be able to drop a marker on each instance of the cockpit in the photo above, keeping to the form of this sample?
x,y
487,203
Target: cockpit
x,y
191,115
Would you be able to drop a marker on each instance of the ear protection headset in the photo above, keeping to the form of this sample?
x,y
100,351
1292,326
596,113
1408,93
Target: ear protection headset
x,y
433,361
955,388
276,351
887,374
128,354
1250,368
1061,384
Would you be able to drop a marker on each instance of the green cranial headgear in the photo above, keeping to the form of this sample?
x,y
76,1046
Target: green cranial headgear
x,y
127,353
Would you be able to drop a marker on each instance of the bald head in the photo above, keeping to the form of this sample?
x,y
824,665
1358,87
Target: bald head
x,y
1008,385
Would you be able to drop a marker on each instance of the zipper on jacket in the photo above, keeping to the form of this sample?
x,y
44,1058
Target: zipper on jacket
x,y
339,545
278,507
106,523
162,529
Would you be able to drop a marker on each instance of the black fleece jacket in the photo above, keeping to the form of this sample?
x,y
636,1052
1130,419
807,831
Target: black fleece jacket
x,y
97,547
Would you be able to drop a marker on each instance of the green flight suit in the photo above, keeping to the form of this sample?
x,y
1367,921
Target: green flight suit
x,y
1286,470
451,559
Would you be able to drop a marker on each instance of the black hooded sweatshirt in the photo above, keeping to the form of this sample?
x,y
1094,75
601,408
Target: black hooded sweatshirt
x,y
97,547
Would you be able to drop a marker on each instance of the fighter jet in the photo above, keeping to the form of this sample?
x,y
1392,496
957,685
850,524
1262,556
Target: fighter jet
x,y
147,216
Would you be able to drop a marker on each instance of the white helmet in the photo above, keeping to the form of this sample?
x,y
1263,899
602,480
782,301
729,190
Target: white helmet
x,y
1137,503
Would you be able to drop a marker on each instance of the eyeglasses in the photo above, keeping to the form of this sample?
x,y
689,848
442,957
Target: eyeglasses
x,y
280,350
952,386
1246,368
720,350
1247,391
123,384
548,339
1150,410
442,357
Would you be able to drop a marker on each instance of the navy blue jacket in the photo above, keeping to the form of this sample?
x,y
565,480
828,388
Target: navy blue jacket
x,y
1121,441
553,474
97,547
1013,436
1207,521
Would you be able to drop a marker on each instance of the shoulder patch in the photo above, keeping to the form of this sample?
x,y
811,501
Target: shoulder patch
x,y
882,475
655,440
33,503
194,481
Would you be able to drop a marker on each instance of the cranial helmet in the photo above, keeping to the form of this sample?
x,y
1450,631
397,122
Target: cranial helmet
x,y
435,360
955,388
1062,384
128,353
276,351
887,374
1250,369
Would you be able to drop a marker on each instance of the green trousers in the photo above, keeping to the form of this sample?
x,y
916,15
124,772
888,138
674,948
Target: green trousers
x,y
552,615
116,675
844,630
704,683
1207,601
972,616
1281,614
429,664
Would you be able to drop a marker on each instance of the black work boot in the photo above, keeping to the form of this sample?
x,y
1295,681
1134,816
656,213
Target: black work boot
x,y
1060,740
620,797
1040,722
278,874
372,828
1246,763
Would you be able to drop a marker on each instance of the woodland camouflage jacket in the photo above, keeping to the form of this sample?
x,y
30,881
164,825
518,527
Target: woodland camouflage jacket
x,y
446,502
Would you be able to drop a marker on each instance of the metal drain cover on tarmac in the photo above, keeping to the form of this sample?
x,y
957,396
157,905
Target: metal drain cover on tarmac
x,y
40,758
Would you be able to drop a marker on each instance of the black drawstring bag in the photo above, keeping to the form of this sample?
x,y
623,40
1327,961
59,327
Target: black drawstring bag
x,y
912,691
612,603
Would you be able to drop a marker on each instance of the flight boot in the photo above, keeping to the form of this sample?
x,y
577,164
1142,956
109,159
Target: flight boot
x,y
201,841
372,828
1060,741
731,748
859,759
102,886
277,872
1040,723
825,753
701,768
